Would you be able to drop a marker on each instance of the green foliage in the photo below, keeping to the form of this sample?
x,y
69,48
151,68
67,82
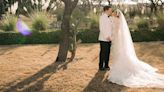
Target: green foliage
x,y
59,13
9,23
35,38
80,17
160,21
139,36
94,22
132,13
88,36
84,36
143,25
40,21
94,25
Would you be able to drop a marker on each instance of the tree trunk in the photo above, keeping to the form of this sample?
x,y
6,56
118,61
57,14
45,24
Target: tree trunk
x,y
1,8
20,7
73,53
153,7
65,27
73,44
63,48
109,2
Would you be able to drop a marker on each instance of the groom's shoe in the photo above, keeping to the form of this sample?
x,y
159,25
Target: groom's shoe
x,y
107,68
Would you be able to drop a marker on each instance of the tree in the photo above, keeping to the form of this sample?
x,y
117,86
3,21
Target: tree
x,y
155,4
109,2
3,7
79,16
65,27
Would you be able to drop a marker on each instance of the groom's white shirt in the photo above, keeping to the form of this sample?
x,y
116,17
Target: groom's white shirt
x,y
105,26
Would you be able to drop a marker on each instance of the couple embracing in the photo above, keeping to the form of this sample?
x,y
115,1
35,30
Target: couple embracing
x,y
126,68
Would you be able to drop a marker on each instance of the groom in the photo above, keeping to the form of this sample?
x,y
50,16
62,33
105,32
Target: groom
x,y
105,25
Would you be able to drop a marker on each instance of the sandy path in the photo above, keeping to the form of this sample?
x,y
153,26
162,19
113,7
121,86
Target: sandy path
x,y
30,68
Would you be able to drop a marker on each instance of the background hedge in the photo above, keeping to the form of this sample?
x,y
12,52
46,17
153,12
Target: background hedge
x,y
85,36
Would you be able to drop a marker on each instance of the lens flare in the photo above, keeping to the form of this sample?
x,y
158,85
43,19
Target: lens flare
x,y
23,28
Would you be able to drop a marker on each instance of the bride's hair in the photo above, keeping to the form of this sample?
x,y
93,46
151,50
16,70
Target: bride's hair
x,y
117,13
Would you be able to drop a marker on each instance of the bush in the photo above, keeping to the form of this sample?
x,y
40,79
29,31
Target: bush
x,y
132,14
160,21
9,23
143,25
59,13
40,21
94,25
139,36
35,38
94,22
86,36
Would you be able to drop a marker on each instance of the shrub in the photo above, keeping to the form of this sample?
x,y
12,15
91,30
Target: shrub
x,y
94,25
35,38
9,23
88,36
40,21
132,14
94,22
160,21
139,36
143,25
59,13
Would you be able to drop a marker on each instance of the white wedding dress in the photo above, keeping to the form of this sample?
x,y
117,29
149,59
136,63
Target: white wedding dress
x,y
126,68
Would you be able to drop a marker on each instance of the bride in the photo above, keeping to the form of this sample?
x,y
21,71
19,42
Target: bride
x,y
126,68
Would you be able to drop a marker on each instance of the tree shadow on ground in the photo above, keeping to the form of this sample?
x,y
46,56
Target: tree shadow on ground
x,y
35,82
100,84
48,49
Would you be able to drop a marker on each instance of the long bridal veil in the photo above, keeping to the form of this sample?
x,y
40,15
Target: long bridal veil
x,y
127,69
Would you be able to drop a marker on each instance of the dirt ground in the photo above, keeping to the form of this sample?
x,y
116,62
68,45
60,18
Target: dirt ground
x,y
31,68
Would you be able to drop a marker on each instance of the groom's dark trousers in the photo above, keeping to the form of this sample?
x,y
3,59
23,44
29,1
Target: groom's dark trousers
x,y
104,54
